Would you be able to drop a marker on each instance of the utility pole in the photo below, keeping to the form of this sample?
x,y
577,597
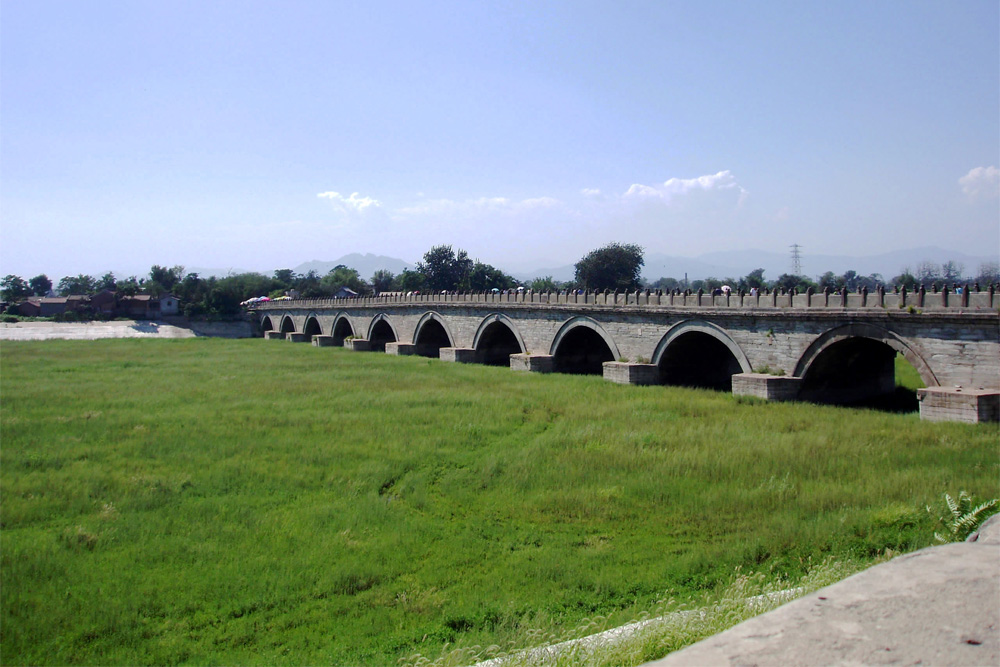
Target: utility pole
x,y
796,260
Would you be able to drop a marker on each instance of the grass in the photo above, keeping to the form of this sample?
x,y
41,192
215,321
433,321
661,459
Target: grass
x,y
217,502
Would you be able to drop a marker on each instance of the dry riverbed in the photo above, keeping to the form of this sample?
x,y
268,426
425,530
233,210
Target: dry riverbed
x,y
121,329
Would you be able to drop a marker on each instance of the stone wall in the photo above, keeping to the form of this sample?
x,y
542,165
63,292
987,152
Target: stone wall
x,y
947,346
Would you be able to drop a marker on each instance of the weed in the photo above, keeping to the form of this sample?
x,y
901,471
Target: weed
x,y
962,517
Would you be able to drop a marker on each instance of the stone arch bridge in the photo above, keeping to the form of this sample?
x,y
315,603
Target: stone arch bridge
x,y
825,348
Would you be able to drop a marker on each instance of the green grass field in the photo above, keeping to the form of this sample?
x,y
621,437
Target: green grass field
x,y
254,502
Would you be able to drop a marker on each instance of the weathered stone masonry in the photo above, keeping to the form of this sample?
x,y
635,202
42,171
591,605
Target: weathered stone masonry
x,y
840,354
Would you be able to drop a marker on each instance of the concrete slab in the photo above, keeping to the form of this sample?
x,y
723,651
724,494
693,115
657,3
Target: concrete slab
x,y
936,606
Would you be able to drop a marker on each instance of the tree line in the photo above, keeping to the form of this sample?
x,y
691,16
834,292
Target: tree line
x,y
615,266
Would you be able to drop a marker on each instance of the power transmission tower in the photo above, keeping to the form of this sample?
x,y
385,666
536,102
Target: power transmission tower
x,y
796,260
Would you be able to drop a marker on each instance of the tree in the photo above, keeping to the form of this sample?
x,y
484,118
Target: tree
x,y
754,279
14,288
445,269
106,282
484,277
831,280
342,276
80,284
664,283
788,281
311,286
989,273
614,266
382,281
544,284
166,278
286,277
129,287
412,281
928,272
40,285
905,278
952,271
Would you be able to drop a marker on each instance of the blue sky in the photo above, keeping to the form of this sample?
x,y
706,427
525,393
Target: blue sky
x,y
259,135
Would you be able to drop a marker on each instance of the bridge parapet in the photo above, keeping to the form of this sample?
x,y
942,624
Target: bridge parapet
x,y
913,302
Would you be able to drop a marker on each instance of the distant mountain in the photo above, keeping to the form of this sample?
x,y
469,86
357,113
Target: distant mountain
x,y
215,273
366,265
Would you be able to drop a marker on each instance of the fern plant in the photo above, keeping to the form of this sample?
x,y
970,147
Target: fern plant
x,y
962,518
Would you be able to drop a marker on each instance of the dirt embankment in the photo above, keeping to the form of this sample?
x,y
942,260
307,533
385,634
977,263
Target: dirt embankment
x,y
123,329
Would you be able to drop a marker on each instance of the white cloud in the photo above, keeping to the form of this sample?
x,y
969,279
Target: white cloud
x,y
676,187
591,193
981,182
352,203
476,207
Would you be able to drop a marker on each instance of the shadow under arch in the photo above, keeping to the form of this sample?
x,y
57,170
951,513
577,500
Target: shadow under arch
x,y
266,324
380,332
855,364
581,346
341,329
311,327
431,334
287,324
496,339
696,353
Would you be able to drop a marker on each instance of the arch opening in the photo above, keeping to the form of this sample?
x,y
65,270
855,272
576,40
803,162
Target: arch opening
x,y
861,372
341,331
381,334
698,359
431,338
582,351
287,325
266,325
496,344
312,328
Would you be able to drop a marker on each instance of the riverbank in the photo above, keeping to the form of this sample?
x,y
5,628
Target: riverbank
x,y
172,328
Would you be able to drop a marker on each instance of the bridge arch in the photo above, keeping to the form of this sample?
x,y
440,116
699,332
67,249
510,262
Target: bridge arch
x,y
582,346
696,353
342,328
854,362
266,324
380,332
287,324
496,339
431,334
311,327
